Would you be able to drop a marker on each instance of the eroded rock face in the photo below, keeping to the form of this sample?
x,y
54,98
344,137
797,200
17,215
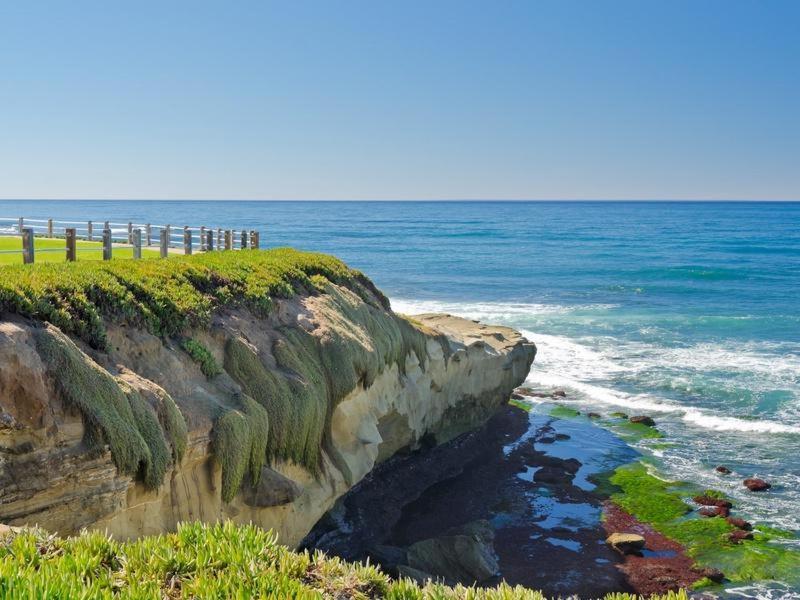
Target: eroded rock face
x,y
49,476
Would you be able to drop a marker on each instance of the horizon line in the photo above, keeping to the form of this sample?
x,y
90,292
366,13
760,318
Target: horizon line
x,y
640,200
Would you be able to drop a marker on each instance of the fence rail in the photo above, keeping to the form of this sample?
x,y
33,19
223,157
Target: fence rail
x,y
112,235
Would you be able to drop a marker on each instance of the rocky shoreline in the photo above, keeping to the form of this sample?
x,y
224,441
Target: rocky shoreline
x,y
522,481
532,498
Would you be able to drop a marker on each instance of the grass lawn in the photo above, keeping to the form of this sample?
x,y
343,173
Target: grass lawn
x,y
86,250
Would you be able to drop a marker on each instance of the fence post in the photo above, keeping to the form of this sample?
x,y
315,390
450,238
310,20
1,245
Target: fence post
x,y
169,234
89,231
49,228
164,242
244,239
210,240
21,225
27,245
105,226
149,233
202,238
187,240
219,238
253,240
70,236
137,243
106,244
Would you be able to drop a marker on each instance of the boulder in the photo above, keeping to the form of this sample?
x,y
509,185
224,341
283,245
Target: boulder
x,y
562,436
722,469
706,500
594,415
619,415
739,535
643,420
272,489
553,475
714,575
626,543
391,558
559,394
754,484
739,523
715,511
464,555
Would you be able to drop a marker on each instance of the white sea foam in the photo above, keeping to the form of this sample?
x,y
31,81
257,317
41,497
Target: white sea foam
x,y
490,311
584,366
778,362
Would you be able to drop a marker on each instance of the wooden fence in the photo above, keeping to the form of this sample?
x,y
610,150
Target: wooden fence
x,y
110,236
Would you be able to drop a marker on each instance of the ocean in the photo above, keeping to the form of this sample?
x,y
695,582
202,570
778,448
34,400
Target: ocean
x,y
688,312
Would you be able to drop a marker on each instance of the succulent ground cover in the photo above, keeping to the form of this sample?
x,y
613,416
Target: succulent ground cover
x,y
209,561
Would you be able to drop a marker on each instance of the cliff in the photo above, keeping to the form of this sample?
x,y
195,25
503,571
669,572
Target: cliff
x,y
251,386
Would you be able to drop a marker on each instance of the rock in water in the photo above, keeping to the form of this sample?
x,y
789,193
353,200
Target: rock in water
x,y
714,575
739,523
465,555
715,511
643,420
706,500
739,535
754,484
626,543
724,470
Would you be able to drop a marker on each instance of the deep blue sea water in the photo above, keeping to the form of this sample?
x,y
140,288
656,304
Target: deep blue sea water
x,y
689,312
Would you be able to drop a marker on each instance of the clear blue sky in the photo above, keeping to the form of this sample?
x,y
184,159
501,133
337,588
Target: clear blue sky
x,y
377,99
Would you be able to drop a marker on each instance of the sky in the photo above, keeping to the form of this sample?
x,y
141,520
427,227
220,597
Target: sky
x,y
561,99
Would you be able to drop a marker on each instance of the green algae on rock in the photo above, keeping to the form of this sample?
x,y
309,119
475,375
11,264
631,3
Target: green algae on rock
x,y
563,412
661,503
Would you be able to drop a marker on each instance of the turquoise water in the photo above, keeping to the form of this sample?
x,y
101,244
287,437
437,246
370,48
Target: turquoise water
x,y
688,312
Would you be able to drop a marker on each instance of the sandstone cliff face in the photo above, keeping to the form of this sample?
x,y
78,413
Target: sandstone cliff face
x,y
357,384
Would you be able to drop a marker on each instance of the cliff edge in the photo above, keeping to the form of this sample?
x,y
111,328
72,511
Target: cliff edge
x,y
251,386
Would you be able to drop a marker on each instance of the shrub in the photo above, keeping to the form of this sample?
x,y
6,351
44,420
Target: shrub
x,y
167,296
201,355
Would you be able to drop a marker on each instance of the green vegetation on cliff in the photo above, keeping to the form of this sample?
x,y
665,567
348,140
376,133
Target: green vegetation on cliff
x,y
208,562
113,412
200,354
771,554
166,296
290,389
302,377
240,440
